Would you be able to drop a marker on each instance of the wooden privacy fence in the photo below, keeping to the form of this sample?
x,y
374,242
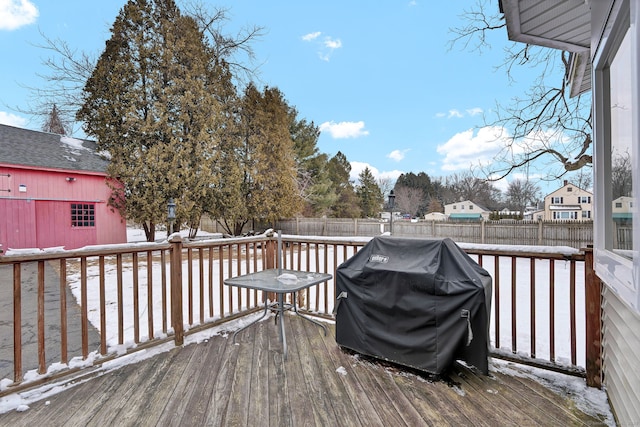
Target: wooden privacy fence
x,y
85,307
575,234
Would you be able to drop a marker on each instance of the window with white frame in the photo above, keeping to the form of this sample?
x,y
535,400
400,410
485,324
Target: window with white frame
x,y
565,215
616,142
584,199
556,200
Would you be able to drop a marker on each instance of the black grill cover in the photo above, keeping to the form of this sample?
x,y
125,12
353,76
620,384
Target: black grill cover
x,y
416,302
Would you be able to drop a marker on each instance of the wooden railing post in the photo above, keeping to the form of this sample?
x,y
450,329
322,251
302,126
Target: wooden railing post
x,y
592,298
176,289
17,322
270,262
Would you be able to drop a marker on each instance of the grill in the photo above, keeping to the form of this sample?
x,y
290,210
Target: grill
x,y
420,303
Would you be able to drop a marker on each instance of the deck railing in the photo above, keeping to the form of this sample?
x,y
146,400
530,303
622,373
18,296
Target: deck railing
x,y
85,307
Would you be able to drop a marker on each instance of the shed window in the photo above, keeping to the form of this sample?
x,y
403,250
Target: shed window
x,y
83,215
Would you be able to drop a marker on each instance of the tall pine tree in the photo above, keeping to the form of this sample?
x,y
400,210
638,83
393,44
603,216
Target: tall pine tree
x,y
338,171
53,123
264,184
369,195
150,104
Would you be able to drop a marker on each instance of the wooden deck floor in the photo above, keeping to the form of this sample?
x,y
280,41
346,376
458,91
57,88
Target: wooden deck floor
x,y
220,384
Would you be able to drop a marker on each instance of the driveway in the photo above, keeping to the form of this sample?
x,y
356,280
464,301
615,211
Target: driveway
x,y
30,321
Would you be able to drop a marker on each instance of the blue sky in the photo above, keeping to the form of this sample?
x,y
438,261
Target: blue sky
x,y
378,78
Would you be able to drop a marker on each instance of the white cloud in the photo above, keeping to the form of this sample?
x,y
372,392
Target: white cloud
x,y
465,149
457,114
413,3
397,155
332,43
12,119
17,13
311,36
344,129
454,113
358,167
326,46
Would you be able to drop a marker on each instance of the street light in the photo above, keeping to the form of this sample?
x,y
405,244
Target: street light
x,y
171,214
392,202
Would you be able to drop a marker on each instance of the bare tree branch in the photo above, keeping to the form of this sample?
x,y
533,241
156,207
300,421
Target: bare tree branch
x,y
229,48
545,124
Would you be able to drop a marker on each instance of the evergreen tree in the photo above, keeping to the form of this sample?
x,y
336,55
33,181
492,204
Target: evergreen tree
x,y
53,123
265,158
313,184
435,206
369,195
150,103
338,172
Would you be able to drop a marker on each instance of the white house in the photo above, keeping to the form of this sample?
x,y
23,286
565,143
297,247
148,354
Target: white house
x,y
568,203
622,209
604,39
466,210
435,216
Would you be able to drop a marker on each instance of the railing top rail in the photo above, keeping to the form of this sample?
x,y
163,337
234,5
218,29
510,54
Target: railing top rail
x,y
559,252
205,243
88,251
349,241
578,256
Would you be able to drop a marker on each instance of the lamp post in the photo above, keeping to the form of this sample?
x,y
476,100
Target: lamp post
x,y
171,215
392,202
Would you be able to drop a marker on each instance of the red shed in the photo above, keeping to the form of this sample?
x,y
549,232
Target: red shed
x,y
53,192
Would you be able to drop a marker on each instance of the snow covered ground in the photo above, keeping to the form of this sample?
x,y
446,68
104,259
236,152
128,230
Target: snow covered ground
x,y
587,399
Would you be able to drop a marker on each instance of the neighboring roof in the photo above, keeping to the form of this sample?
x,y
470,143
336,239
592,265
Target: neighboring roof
x,y
558,24
568,184
465,202
622,215
26,147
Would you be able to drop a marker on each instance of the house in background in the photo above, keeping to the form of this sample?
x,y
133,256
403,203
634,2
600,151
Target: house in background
x,y
466,211
54,193
569,203
622,210
603,37
435,216
533,213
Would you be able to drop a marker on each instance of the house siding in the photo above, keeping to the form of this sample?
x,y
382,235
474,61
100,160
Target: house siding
x,y
610,19
569,200
40,216
621,347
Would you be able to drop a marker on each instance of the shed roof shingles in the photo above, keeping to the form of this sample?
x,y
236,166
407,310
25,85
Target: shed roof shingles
x,y
47,150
